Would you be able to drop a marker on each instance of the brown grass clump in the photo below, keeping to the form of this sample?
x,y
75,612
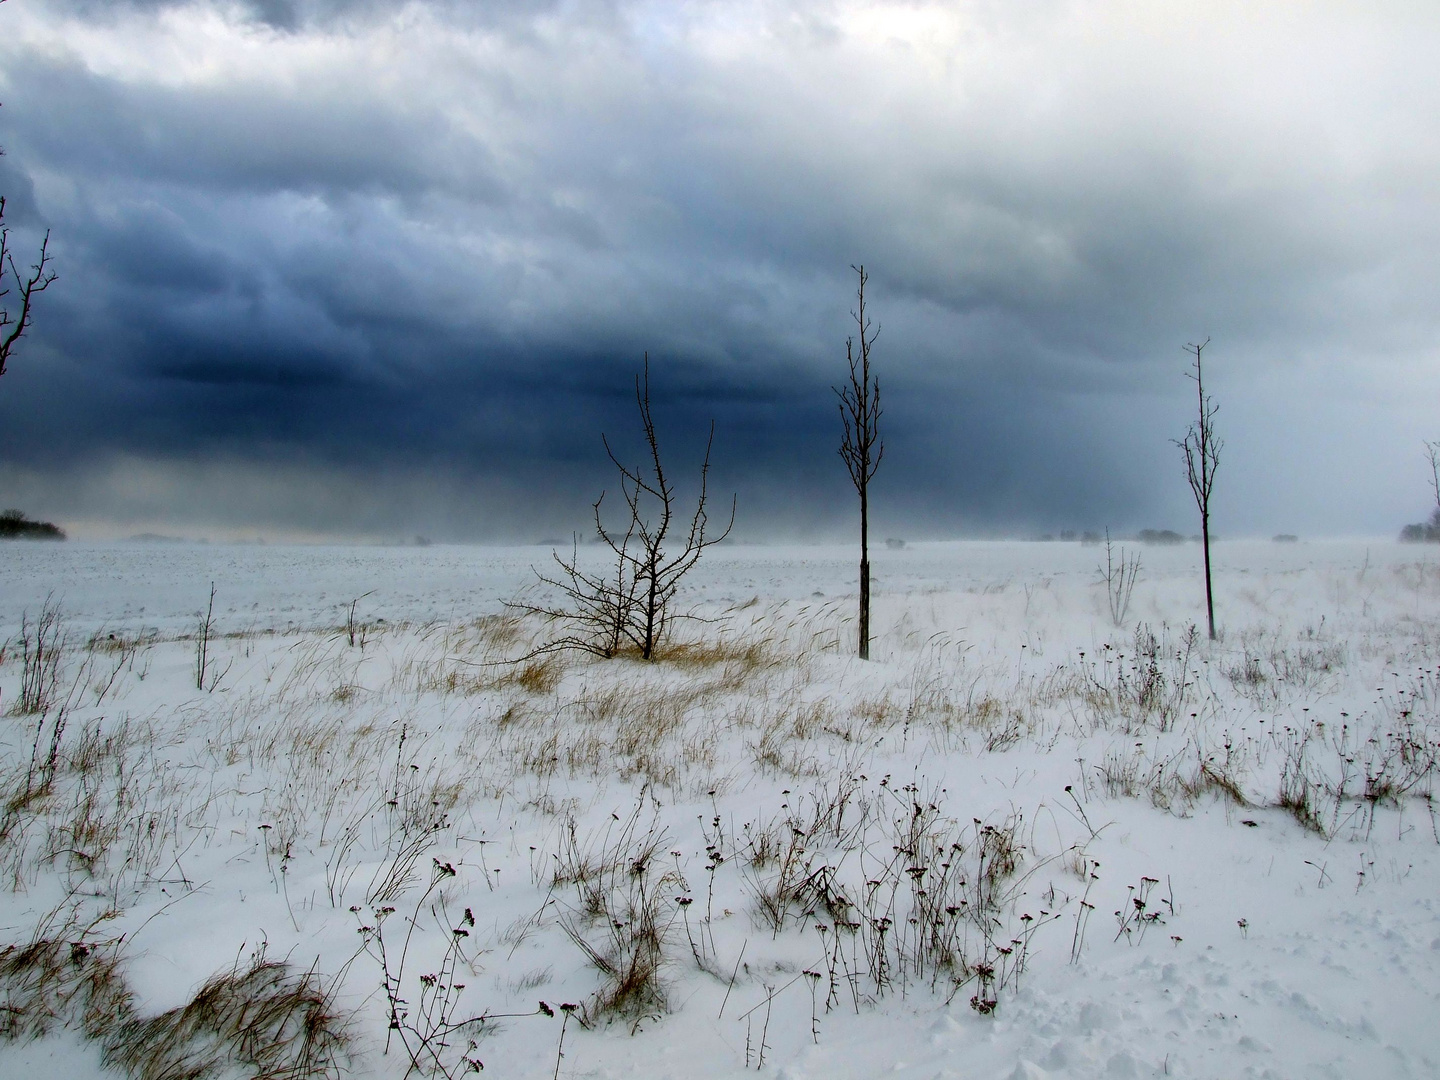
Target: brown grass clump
x,y
746,655
50,982
262,1018
540,675
344,694
535,675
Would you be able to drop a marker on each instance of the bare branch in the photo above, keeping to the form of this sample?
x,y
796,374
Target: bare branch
x,y
31,283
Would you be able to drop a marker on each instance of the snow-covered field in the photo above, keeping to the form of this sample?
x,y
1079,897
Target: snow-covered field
x,y
1021,842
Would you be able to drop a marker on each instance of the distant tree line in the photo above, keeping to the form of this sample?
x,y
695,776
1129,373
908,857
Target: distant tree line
x,y
1423,533
15,526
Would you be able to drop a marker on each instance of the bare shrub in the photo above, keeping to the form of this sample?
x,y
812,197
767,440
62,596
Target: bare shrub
x,y
1302,786
1269,670
624,914
1120,573
1146,688
914,897
1173,780
635,608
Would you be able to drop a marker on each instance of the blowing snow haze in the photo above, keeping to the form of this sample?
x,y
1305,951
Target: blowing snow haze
x,y
360,268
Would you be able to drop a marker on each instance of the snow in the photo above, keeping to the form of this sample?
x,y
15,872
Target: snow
x,y
251,816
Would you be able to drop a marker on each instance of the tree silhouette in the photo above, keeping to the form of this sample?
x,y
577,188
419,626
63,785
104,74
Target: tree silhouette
x,y
861,447
1202,456
634,608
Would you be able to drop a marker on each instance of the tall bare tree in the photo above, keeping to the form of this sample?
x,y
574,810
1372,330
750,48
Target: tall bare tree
x,y
634,609
861,447
1202,455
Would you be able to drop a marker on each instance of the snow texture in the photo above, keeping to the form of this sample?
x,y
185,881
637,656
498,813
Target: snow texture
x,y
1022,843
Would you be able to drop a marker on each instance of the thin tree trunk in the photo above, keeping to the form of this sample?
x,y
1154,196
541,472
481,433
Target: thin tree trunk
x,y
650,608
1209,593
864,573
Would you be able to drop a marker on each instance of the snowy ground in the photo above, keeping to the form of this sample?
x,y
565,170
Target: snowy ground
x,y
809,866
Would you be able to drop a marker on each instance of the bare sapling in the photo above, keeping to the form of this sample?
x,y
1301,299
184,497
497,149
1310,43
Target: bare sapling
x,y
356,632
1202,455
634,608
861,447
205,678
1120,572
1432,455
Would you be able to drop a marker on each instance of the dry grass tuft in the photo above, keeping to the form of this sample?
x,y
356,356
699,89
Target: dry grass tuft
x,y
263,1019
50,982
260,1021
539,676
746,656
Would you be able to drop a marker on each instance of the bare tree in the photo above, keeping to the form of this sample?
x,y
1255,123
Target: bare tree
x,y
29,283
1428,531
633,608
1432,455
1202,456
861,447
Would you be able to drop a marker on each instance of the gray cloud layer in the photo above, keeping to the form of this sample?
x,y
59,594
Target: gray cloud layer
x,y
411,255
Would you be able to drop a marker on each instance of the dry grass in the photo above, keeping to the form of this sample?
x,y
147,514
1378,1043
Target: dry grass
x,y
261,1019
51,982
624,913
369,756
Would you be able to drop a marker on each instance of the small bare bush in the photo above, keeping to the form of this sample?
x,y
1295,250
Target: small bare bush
x,y
1120,573
624,915
632,610
42,644
1147,686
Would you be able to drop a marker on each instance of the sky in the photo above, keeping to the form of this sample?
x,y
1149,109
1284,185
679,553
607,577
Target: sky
x,y
350,268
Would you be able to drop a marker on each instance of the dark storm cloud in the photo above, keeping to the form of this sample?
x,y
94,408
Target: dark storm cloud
x,y
426,246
